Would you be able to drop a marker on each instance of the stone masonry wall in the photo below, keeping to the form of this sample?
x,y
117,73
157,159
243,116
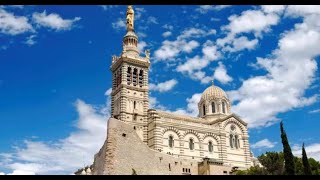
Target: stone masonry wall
x,y
124,151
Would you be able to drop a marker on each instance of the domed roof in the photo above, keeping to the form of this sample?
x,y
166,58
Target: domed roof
x,y
213,91
131,34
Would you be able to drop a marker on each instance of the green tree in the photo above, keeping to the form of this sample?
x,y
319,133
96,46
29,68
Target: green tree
x,y
299,166
253,170
273,162
306,165
315,166
287,154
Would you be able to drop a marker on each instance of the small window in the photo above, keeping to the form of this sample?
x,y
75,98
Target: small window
x,y
204,110
134,104
223,108
171,141
213,107
210,146
236,141
230,139
191,144
129,76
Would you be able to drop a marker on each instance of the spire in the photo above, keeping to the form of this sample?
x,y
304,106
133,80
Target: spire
x,y
130,19
130,40
212,82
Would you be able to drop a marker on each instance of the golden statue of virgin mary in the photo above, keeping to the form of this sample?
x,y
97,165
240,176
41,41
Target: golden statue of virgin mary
x,y
130,18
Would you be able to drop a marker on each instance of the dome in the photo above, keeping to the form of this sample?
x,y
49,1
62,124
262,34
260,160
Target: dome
x,y
213,92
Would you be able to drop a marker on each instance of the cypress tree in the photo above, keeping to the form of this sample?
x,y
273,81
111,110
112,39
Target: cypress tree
x,y
306,165
288,156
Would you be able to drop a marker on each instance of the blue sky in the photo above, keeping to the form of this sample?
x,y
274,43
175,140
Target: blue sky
x,y
55,79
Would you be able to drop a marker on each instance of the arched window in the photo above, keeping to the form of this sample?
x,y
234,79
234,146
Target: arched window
x,y
223,107
230,139
210,146
236,142
141,78
213,105
129,79
171,141
204,109
134,76
234,138
191,144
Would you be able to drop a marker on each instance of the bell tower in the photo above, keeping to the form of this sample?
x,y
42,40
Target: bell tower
x,y
130,101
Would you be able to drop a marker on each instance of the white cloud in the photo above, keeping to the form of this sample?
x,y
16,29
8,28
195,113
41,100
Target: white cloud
x,y
108,92
193,66
241,43
290,71
273,8
30,40
152,20
221,75
168,27
312,150
265,143
167,34
141,34
22,172
164,86
53,21
250,21
107,7
120,23
171,49
13,25
2,173
141,45
315,111
192,107
138,12
302,10
203,9
66,155
155,104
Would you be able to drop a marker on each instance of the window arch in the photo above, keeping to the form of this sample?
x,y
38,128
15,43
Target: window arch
x,y
213,106
223,107
191,144
234,138
204,109
210,146
171,141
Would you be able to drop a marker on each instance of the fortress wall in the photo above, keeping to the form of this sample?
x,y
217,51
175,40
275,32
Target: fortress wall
x,y
124,151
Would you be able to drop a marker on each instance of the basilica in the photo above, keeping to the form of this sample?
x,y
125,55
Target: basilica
x,y
149,141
